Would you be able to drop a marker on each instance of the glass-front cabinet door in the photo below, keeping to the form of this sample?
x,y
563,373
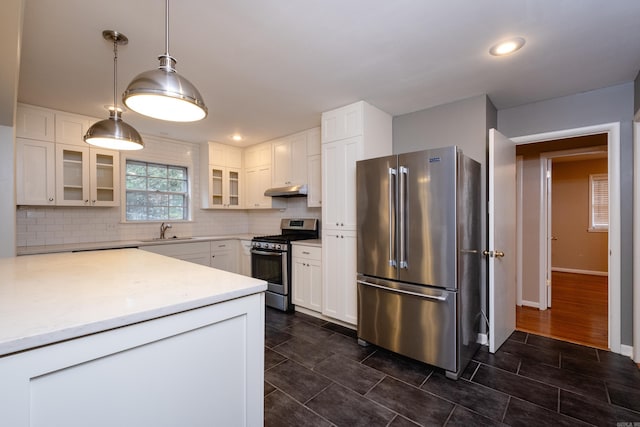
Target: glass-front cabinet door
x,y
104,177
224,187
72,175
233,186
216,198
87,176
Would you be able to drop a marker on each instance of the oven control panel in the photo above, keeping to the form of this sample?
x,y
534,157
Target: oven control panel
x,y
271,246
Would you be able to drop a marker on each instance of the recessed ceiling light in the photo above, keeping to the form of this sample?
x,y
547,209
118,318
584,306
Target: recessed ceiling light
x,y
507,47
236,137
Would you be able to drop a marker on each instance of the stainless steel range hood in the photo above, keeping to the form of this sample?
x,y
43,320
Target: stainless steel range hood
x,y
290,191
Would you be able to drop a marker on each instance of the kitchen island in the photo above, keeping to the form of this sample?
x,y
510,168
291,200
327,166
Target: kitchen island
x,y
128,337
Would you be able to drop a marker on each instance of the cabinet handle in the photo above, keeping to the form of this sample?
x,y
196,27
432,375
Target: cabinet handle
x,y
213,256
222,246
51,199
342,237
93,201
305,252
341,225
336,224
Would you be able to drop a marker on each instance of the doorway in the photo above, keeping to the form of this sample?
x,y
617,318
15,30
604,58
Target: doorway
x,y
536,264
573,303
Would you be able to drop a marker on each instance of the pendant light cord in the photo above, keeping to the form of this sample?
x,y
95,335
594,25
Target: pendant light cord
x,y
166,28
115,76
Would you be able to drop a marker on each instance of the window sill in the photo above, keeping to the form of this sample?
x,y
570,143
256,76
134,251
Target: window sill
x,y
597,230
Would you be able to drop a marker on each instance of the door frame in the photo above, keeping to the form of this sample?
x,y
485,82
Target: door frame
x,y
613,154
636,238
545,214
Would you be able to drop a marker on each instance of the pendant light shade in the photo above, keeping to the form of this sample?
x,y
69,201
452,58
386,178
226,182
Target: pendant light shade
x,y
164,94
113,133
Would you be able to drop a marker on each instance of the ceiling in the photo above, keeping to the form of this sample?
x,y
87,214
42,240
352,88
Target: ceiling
x,y
269,68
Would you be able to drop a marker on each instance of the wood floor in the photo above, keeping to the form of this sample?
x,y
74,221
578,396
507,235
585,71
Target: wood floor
x,y
578,313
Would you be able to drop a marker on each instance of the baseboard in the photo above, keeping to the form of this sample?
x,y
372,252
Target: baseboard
x,y
626,350
323,317
483,339
531,304
578,271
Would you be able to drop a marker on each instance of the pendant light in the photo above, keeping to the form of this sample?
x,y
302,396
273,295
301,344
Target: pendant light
x,y
164,94
113,133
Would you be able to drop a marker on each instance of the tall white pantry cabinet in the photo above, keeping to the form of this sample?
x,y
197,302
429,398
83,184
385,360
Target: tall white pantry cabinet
x,y
355,132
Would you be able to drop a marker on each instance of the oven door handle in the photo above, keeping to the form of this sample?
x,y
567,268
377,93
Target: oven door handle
x,y
267,253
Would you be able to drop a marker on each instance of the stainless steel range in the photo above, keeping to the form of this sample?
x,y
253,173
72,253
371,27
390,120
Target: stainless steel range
x,y
271,259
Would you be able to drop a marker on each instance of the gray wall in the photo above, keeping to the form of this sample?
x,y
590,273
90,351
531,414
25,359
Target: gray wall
x,y
607,105
464,123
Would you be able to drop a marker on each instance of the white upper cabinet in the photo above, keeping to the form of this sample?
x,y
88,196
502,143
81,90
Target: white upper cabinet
x,y
104,177
314,169
290,160
72,175
54,165
35,123
35,172
257,155
258,178
220,172
71,128
344,122
87,176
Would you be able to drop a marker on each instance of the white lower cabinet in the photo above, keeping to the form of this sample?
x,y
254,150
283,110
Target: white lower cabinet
x,y
220,254
339,291
196,252
224,255
198,367
307,277
245,258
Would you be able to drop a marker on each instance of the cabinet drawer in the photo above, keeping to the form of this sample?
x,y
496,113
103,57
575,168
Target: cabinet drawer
x,y
308,252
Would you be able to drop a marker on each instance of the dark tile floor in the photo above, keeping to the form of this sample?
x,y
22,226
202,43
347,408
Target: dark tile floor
x,y
317,375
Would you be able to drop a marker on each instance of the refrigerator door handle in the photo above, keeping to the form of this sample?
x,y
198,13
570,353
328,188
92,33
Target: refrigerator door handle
x,y
402,291
403,171
392,217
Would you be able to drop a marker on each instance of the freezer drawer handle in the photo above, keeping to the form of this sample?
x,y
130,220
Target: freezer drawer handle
x,y
403,171
416,294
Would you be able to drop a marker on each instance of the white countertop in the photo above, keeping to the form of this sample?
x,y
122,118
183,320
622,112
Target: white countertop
x,y
54,297
119,244
310,242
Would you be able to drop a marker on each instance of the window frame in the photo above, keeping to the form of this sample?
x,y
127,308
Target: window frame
x,y
593,180
160,162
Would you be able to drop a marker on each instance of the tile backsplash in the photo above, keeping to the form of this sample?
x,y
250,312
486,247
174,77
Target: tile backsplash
x,y
38,226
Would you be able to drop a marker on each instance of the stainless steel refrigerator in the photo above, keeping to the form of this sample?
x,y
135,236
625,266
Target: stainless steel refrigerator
x,y
419,256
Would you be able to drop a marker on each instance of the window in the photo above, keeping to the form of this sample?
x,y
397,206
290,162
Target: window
x,y
156,192
598,202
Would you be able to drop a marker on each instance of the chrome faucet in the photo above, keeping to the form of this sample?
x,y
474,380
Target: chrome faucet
x,y
163,228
